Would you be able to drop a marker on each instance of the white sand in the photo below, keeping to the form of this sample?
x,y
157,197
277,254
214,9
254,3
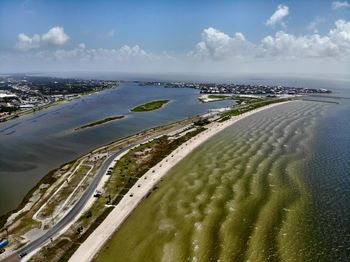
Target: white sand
x,y
93,244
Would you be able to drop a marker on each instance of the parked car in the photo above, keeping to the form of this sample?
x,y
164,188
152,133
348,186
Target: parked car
x,y
98,193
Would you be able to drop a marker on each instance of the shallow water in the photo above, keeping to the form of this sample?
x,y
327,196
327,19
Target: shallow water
x,y
272,187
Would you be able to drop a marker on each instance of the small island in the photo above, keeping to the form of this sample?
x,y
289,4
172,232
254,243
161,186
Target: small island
x,y
150,106
100,122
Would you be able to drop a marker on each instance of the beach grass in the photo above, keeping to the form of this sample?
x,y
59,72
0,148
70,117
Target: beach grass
x,y
150,106
100,122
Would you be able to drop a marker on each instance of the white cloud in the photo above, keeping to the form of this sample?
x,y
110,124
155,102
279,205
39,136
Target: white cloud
x,y
125,58
314,24
54,37
287,46
216,45
216,52
277,18
26,42
124,54
340,35
338,4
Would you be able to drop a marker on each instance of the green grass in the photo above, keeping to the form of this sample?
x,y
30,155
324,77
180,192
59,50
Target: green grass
x,y
100,122
219,97
150,106
250,106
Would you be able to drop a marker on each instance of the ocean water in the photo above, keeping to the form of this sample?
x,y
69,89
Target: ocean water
x,y
273,187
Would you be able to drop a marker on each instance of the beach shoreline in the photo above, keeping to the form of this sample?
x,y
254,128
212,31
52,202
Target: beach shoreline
x,y
95,242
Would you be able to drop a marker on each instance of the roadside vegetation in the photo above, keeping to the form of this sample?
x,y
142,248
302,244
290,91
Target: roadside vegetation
x,y
153,105
62,186
125,174
100,122
56,201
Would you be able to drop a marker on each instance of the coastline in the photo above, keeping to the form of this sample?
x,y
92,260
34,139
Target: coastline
x,y
90,248
49,105
49,179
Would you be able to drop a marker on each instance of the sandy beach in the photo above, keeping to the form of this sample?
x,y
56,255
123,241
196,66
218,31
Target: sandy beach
x,y
93,244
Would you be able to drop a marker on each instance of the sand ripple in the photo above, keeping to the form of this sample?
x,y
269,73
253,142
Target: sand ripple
x,y
240,196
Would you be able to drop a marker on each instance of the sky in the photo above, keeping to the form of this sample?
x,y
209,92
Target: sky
x,y
169,36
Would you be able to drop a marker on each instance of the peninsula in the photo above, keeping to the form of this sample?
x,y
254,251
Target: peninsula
x,y
74,200
148,182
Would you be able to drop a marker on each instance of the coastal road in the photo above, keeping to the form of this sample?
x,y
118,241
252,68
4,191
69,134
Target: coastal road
x,y
75,211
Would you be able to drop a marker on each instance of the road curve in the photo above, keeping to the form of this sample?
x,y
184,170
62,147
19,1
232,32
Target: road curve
x,y
75,210
37,243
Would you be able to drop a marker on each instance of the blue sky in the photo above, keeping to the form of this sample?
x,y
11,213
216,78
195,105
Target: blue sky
x,y
166,31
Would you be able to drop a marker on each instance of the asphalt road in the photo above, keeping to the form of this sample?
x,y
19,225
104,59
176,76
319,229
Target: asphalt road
x,y
75,210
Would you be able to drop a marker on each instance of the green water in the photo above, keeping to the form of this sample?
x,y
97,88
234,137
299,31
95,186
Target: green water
x,y
241,196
